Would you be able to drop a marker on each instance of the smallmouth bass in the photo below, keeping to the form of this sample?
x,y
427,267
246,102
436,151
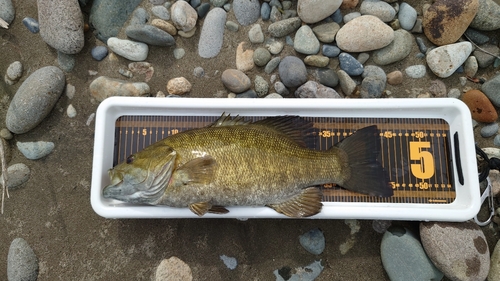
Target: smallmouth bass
x,y
234,162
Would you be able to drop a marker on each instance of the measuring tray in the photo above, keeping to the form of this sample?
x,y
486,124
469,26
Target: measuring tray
x,y
427,147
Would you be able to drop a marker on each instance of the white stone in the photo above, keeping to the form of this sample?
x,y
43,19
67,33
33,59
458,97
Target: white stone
x,y
134,51
444,60
15,70
416,71
71,111
173,269
17,174
312,11
35,150
364,33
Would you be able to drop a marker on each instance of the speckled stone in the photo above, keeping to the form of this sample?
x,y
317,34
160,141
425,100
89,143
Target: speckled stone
x,y
487,16
178,86
104,87
235,80
292,71
246,11
312,89
284,27
22,263
364,33
480,106
305,42
445,60
326,32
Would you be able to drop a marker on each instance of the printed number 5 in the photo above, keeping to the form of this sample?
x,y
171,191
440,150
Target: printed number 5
x,y
424,169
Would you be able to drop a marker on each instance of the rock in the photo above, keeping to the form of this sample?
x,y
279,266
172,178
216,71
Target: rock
x,y
273,96
17,174
198,72
471,66
235,80
261,56
212,33
273,46
313,240
61,25
459,250
326,32
165,26
284,27
363,57
139,17
35,150
365,33
444,60
104,87
229,262
454,93
66,62
134,51
246,11
373,70
108,16
71,111
416,71
292,71
275,15
404,258
327,77
346,83
372,87
6,134
379,9
179,53
150,34
31,24
99,52
22,263
178,86
248,94
349,17
437,88
7,11
183,16
305,41
281,89
480,106
487,16
490,89
381,226
232,26
494,273
173,269
484,59
309,272
496,140
312,11
142,68
261,86
312,89
395,77
397,50
203,10
421,45
162,12
446,20
255,34
407,16
330,51
350,65
244,57
476,36
34,99
489,130
316,61
272,64
14,72
265,11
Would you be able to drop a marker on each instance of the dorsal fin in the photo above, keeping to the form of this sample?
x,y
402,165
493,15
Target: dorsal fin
x,y
294,127
226,120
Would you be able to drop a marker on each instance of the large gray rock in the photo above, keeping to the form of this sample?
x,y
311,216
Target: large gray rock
x,y
488,16
212,33
22,264
7,11
61,25
108,16
246,11
35,99
397,50
311,11
104,87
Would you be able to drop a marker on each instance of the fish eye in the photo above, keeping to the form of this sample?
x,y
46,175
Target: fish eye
x,y
130,159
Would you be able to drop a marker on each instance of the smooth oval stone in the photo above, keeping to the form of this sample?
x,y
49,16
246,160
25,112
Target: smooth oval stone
x,y
312,11
489,130
17,174
459,250
484,59
162,12
313,240
261,86
316,61
444,60
490,89
407,16
272,64
99,52
248,94
312,89
255,34
212,33
34,99
7,11
395,77
292,71
35,150
487,16
265,11
22,263
183,16
305,41
446,20
261,56
104,87
108,17
14,71
134,51
372,87
373,70
480,106
235,80
346,83
31,24
284,27
471,66
203,10
281,88
380,9
397,50
476,36
327,77
178,86
246,11
326,32
330,51
364,33
150,35
350,65
416,71
139,17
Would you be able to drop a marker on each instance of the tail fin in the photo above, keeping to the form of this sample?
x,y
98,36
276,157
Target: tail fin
x,y
367,174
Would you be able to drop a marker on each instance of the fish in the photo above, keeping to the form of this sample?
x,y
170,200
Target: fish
x,y
235,162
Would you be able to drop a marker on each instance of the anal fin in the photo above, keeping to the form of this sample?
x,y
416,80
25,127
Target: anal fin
x,y
305,204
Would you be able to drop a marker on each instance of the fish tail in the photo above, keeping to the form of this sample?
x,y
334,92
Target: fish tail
x,y
366,174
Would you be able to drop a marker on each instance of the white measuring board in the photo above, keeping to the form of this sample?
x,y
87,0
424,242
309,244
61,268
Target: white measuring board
x,y
427,147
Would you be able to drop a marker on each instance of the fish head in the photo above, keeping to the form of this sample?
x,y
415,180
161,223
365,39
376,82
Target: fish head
x,y
143,177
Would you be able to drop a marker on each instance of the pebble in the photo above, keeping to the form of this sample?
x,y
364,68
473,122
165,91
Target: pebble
x,y
261,86
104,87
407,16
326,32
349,17
330,51
31,24
316,61
183,16
327,77
32,101
261,56
284,27
142,68
421,45
248,94
265,11
312,89
373,70
255,34
6,134
350,65
229,262
203,10
471,66
7,11
212,33
364,33
292,71
346,83
198,72
273,46
463,241
71,111
476,36
66,62
489,130
496,140
17,174
22,263
139,17
107,17
397,50
35,150
404,258
487,16
483,59
480,106
490,89
165,26
312,11
179,53
380,9
275,15
161,12
305,41
416,71
437,88
494,273
232,26
273,96
149,34
173,269
178,86
244,57
235,80
14,72
395,77
99,52
444,60
363,57
381,226
313,240
61,25
134,51
445,21
454,93
218,3
188,34
281,88
372,87
246,11
306,273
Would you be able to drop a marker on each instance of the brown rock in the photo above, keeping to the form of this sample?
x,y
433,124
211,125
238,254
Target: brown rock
x,y
446,20
178,86
480,106
437,88
244,57
395,77
349,4
165,26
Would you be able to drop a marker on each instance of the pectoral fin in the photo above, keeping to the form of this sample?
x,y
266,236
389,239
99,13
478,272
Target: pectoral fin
x,y
198,170
202,208
305,204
